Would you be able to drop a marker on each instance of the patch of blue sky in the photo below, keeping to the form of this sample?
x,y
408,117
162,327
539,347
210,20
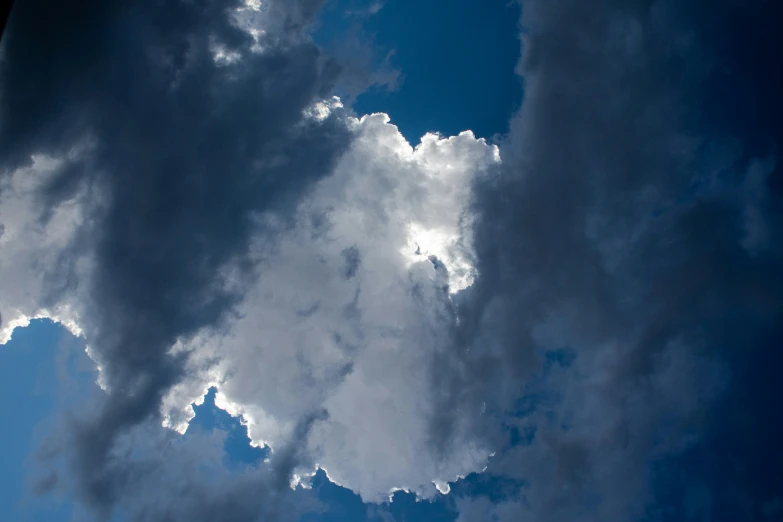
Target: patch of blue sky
x,y
450,53
40,370
239,451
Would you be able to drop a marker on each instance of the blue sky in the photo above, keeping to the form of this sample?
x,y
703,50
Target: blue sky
x,y
449,53
43,370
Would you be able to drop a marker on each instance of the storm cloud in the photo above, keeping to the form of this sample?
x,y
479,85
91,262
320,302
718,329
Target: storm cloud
x,y
628,252
174,126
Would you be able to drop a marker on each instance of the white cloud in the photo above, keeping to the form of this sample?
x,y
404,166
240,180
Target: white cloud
x,y
346,315
30,248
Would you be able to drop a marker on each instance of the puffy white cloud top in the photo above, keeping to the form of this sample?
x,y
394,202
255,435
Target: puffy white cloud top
x,y
350,305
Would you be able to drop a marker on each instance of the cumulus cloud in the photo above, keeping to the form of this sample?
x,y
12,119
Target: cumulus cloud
x,y
32,244
350,305
202,218
351,298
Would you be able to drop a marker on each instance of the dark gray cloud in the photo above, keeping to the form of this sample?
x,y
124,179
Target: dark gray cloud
x,y
5,10
352,259
177,153
634,223
164,476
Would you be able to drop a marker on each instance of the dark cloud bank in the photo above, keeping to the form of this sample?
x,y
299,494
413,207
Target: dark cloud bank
x,y
179,153
624,331
627,317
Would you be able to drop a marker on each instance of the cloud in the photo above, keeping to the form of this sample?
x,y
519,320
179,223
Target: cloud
x,y
587,318
481,508
351,304
164,150
618,229
32,246
202,218
326,355
165,476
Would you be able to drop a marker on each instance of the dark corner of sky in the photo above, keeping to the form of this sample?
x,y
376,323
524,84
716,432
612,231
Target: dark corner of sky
x,y
442,66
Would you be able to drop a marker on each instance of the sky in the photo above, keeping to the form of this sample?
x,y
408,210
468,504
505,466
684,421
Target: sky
x,y
425,87
386,261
